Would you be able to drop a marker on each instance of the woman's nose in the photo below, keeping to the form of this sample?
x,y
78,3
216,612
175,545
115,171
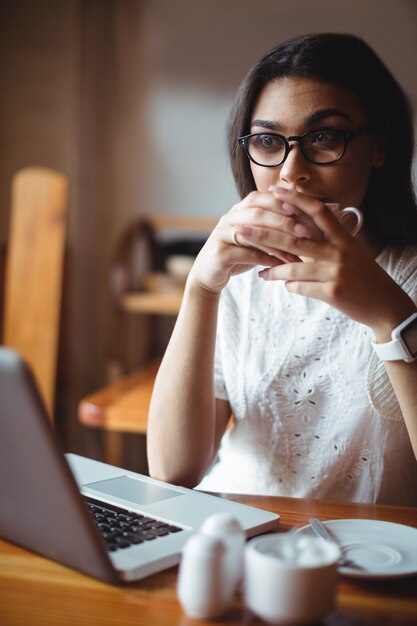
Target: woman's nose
x,y
295,168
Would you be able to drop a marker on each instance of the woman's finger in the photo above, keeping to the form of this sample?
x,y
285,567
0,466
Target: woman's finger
x,y
265,204
265,209
272,253
277,241
242,252
313,272
257,216
314,280
315,209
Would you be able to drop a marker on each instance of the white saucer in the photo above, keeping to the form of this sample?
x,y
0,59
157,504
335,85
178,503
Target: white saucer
x,y
380,549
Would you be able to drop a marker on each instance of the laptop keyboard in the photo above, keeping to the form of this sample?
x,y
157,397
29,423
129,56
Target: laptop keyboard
x,y
121,528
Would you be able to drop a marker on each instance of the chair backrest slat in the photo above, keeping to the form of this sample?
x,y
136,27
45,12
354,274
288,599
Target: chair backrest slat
x,y
34,272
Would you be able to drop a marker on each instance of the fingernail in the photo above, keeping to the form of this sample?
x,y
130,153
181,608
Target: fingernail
x,y
292,258
288,208
264,273
302,231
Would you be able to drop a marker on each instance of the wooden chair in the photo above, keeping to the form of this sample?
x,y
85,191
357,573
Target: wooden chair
x,y
33,272
139,284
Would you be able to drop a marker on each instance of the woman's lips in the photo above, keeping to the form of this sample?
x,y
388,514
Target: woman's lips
x,y
314,196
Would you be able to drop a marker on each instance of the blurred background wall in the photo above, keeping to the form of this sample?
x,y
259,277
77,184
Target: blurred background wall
x,y
130,98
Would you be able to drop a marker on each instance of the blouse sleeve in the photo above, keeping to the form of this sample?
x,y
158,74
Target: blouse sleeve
x,y
220,390
403,269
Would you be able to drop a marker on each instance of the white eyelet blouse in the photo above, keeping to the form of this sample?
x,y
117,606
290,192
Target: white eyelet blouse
x,y
315,413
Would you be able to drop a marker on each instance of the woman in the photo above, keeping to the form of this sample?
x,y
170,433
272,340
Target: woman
x,y
285,306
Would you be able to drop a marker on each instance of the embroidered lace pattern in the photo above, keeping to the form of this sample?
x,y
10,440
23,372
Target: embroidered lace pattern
x,y
316,415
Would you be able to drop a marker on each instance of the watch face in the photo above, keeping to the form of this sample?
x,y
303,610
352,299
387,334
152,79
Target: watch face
x,y
409,336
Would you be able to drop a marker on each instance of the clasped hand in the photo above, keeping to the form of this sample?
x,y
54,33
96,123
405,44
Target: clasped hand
x,y
298,240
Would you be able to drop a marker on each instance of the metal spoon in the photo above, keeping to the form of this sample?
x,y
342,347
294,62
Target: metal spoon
x,y
322,531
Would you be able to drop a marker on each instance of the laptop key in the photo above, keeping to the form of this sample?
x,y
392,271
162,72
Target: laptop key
x,y
111,547
122,525
133,538
158,532
173,529
121,529
109,537
121,542
135,529
144,520
98,509
159,524
147,536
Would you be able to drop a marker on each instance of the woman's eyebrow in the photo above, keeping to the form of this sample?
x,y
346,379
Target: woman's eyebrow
x,y
315,117
318,116
267,124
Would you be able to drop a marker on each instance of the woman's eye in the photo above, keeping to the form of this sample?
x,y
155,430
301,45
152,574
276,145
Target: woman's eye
x,y
268,142
325,138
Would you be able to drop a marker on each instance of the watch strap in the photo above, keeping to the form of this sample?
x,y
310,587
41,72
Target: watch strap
x,y
396,349
393,350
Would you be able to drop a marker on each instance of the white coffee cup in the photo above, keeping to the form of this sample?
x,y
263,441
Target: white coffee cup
x,y
287,583
341,215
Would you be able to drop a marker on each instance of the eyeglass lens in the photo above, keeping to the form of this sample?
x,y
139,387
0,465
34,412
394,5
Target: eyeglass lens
x,y
322,146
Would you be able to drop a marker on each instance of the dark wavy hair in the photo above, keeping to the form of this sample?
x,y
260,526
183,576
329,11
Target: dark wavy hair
x,y
348,62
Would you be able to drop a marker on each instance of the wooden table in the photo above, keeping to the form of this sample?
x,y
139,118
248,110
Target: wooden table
x,y
122,406
38,592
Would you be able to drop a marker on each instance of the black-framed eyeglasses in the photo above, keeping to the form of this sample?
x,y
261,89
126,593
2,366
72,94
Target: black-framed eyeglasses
x,y
320,147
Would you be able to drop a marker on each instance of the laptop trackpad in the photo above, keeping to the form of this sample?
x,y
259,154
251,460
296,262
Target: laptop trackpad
x,y
137,491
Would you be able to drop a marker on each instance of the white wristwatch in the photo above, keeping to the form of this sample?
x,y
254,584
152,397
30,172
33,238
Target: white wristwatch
x,y
403,346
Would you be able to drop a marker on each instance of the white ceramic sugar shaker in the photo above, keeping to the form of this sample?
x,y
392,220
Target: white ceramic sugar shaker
x,y
227,528
204,588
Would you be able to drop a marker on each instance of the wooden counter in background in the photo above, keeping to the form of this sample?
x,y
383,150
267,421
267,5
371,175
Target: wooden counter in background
x,y
160,295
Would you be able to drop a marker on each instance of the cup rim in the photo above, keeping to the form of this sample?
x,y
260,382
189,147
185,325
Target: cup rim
x,y
252,551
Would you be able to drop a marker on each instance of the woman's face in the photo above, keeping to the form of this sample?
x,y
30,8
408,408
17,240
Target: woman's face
x,y
293,106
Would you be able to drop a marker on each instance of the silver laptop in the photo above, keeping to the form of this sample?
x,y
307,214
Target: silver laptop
x,y
110,523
